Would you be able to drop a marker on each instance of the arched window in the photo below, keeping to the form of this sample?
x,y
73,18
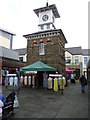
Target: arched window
x,y
41,48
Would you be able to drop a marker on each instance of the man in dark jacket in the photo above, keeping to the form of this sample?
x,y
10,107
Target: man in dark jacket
x,y
82,80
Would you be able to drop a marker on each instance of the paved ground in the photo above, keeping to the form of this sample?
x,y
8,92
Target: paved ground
x,y
35,104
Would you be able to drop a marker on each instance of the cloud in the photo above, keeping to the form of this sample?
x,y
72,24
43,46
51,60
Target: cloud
x,y
18,16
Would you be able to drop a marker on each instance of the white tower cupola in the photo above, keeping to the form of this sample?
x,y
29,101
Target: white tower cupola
x,y
47,17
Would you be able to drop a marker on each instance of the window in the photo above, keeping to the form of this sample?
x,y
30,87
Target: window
x,y
53,19
34,42
48,40
21,58
76,60
68,60
41,49
48,26
85,60
42,27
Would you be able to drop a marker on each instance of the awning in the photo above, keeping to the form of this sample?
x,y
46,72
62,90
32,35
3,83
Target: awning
x,y
38,66
69,71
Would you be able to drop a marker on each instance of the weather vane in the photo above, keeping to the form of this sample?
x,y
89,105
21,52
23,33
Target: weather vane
x,y
47,3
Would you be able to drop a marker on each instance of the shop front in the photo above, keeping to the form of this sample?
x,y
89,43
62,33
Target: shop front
x,y
9,67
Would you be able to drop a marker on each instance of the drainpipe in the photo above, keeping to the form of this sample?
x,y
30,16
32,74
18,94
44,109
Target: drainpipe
x,y
11,40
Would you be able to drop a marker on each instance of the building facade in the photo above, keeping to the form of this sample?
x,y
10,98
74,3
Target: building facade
x,y
22,54
77,59
6,38
73,57
85,57
48,44
9,59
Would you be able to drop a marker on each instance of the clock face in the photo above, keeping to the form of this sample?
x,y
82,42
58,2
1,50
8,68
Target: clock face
x,y
45,17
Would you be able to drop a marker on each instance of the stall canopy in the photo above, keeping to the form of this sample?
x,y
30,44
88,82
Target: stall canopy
x,y
68,71
38,66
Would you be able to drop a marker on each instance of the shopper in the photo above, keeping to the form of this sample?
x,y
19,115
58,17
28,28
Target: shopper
x,y
2,98
83,81
45,81
6,79
1,105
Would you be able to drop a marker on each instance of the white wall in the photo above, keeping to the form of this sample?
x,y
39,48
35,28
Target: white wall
x,y
5,41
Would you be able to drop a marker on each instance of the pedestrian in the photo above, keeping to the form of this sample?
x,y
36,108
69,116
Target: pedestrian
x,y
2,98
66,80
82,81
6,79
1,105
18,76
45,82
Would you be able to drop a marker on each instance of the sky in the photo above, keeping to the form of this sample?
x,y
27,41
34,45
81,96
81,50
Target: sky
x,y
18,17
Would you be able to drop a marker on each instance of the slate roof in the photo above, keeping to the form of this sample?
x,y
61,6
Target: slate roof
x,y
21,51
74,50
50,7
86,52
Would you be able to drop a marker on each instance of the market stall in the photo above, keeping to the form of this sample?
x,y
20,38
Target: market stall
x,y
41,69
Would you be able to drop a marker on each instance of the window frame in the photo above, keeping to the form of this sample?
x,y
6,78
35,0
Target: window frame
x,y
41,49
48,26
66,59
21,58
85,60
42,27
76,60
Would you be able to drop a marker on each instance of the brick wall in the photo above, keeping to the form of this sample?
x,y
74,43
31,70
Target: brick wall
x,y
54,52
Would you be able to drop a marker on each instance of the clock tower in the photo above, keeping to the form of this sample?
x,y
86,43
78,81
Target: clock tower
x,y
47,17
48,44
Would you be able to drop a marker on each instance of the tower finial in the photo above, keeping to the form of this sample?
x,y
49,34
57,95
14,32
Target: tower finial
x,y
47,4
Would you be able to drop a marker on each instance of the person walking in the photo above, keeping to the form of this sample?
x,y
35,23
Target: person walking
x,y
82,81
6,79
1,105
2,97
45,82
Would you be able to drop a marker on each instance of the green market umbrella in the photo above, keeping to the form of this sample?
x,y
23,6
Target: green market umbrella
x,y
38,66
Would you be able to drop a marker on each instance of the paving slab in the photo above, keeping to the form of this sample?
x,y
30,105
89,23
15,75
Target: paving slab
x,y
33,103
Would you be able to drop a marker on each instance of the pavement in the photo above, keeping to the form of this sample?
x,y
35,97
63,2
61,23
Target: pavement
x,y
33,103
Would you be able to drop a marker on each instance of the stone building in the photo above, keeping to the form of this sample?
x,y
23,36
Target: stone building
x,y
48,44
